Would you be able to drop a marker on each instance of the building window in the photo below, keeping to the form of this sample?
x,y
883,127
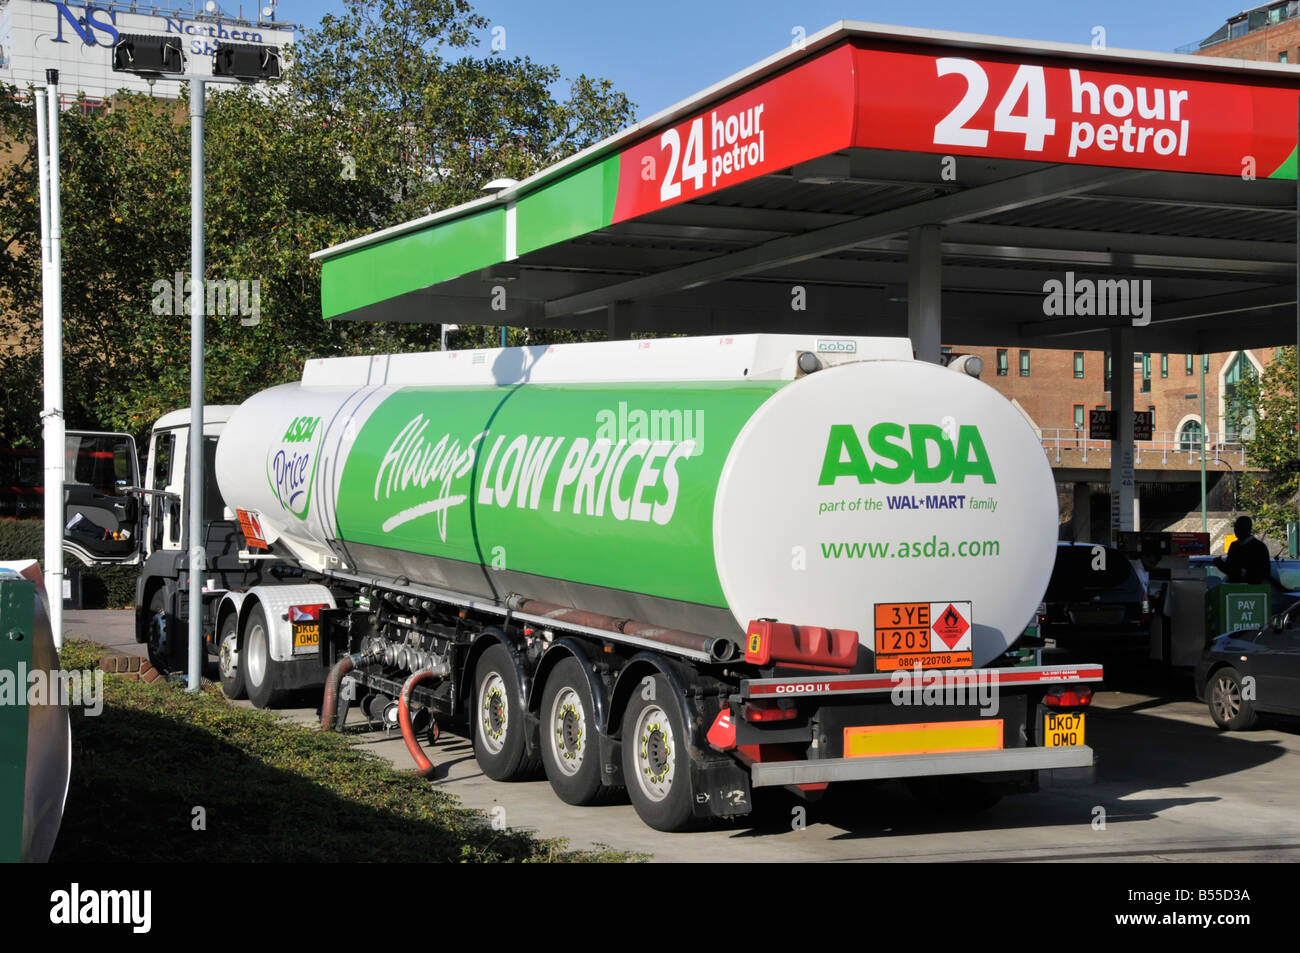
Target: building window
x,y
1002,362
1078,364
1024,363
1282,57
1146,373
1152,409
1106,384
1189,365
1189,435
1164,365
1235,405
1078,416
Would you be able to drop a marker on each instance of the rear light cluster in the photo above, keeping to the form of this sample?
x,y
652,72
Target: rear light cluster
x,y
765,711
1068,697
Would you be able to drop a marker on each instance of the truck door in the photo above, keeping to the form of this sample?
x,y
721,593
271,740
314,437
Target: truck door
x,y
101,518
166,476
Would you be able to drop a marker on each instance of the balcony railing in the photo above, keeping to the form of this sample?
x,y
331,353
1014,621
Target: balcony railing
x,y
1165,446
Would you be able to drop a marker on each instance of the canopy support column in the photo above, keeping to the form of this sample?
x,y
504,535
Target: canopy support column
x,y
1121,404
924,290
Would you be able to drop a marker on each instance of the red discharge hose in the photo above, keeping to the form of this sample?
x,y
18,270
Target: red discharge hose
x,y
329,704
423,766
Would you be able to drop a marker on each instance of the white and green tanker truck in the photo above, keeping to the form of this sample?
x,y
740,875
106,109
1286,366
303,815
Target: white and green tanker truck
x,y
685,567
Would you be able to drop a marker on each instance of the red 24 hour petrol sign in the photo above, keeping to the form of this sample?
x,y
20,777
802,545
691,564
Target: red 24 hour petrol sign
x,y
1064,111
941,102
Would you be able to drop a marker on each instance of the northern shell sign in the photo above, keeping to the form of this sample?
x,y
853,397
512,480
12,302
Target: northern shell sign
x,y
77,39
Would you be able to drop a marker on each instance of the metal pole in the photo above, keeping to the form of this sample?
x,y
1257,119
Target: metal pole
x,y
1205,433
47,137
198,562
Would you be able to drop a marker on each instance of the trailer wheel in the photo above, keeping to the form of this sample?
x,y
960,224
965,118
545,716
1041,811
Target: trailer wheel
x,y
260,670
499,719
1229,706
570,747
232,673
655,760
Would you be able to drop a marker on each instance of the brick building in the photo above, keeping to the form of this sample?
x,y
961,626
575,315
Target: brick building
x,y
1056,389
1269,32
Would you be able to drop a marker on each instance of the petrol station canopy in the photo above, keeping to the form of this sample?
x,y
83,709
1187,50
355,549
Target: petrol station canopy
x,y
881,180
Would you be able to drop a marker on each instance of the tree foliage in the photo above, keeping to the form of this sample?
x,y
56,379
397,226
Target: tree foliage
x,y
1268,493
386,114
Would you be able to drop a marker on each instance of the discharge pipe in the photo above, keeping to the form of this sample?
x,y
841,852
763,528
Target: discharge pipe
x,y
329,704
423,766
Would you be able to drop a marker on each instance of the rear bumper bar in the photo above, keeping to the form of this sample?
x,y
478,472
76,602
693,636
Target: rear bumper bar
x,y
769,774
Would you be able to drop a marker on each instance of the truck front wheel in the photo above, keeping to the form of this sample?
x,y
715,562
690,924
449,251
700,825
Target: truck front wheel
x,y
655,760
499,718
260,670
570,747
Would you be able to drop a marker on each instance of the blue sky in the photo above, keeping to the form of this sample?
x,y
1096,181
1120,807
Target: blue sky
x,y
661,52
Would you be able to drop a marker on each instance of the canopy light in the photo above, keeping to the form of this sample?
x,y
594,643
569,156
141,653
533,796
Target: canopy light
x,y
246,61
141,53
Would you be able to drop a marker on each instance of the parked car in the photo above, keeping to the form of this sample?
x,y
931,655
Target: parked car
x,y
1284,578
1244,674
1094,589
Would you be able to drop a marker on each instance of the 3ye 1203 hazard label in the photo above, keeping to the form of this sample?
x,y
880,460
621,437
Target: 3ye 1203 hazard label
x,y
929,634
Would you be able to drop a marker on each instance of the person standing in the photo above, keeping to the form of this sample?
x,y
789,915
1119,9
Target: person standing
x,y
1247,557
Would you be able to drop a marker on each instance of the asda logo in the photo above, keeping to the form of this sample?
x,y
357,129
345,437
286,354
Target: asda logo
x,y
898,453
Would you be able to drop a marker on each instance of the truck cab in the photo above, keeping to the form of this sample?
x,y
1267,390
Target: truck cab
x,y
112,517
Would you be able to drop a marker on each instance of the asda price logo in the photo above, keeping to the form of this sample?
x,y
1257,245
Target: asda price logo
x,y
899,453
291,464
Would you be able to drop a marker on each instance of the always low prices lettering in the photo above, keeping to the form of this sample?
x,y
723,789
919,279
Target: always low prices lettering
x,y
633,480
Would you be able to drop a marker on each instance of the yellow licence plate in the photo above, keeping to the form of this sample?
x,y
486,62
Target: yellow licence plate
x,y
306,635
1062,729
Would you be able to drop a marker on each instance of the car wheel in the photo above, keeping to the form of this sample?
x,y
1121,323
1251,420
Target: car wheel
x,y
1230,707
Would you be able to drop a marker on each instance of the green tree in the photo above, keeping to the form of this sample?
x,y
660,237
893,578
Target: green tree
x,y
1268,491
372,126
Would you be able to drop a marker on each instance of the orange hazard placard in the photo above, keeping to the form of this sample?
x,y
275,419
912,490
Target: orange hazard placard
x,y
902,627
928,634
251,527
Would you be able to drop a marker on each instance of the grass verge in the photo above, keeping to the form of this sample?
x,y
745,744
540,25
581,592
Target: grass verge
x,y
157,759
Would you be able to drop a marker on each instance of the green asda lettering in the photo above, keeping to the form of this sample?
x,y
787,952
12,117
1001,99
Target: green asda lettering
x,y
920,453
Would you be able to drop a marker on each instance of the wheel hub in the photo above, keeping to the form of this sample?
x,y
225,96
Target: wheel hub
x,y
569,723
494,718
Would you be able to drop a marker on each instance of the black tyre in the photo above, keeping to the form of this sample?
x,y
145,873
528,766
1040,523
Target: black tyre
x,y
261,672
232,674
163,636
1229,706
499,719
570,736
656,763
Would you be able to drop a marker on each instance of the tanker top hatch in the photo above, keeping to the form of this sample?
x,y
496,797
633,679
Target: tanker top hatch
x,y
713,358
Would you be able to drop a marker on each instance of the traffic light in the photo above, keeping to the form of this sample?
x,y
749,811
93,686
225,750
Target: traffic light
x,y
148,55
246,61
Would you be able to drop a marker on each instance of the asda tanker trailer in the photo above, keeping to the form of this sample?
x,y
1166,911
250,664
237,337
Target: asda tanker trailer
x,y
688,567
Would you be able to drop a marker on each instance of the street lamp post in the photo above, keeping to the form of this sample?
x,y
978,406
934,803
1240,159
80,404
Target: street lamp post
x,y
160,56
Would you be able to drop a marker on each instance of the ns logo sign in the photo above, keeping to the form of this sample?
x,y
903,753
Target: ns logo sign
x,y
94,26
